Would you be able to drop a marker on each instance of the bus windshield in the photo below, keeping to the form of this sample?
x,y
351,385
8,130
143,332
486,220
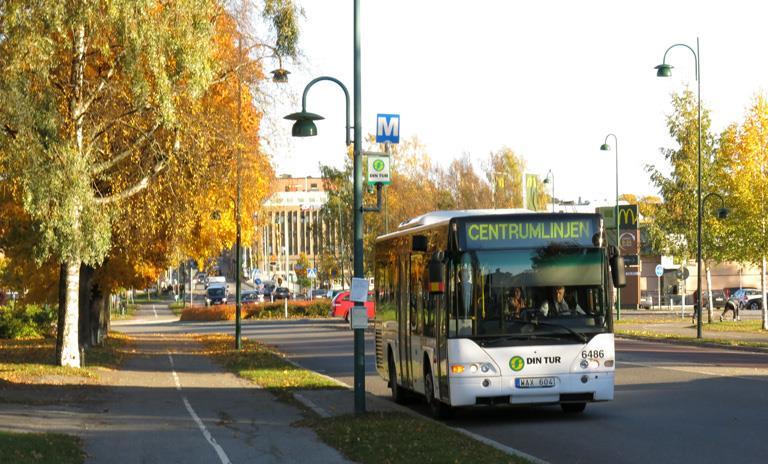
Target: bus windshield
x,y
554,293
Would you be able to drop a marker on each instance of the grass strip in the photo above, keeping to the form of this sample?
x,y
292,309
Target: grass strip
x,y
45,448
29,360
751,326
755,327
653,335
372,438
393,437
263,365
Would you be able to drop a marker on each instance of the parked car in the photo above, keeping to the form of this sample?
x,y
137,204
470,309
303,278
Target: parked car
x,y
319,293
331,294
251,296
742,297
646,300
215,294
341,304
281,293
754,301
729,291
718,298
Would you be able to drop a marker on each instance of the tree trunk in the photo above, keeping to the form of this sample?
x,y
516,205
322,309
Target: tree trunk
x,y
762,287
62,310
94,309
70,351
709,294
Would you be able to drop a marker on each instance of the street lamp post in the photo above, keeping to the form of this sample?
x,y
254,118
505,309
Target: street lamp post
x,y
551,175
304,127
722,213
665,70
606,147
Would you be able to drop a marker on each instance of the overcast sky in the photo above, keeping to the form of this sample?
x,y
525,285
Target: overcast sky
x,y
549,79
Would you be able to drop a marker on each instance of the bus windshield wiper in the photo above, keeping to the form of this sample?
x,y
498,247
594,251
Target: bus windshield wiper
x,y
578,335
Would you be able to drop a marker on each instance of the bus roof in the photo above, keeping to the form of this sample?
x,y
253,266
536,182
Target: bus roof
x,y
433,218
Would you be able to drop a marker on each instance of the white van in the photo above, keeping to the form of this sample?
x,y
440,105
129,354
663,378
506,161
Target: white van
x,y
215,280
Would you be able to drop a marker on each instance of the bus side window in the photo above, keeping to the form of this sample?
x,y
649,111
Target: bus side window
x,y
430,304
416,293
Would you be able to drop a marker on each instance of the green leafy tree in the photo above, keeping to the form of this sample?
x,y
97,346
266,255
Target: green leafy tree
x,y
745,159
505,173
674,228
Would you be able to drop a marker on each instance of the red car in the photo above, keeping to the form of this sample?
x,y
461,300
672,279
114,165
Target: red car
x,y
341,304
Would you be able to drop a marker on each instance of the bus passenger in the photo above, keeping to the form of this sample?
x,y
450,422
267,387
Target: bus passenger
x,y
515,304
557,306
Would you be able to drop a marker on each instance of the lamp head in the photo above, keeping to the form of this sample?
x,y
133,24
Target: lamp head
x,y
545,181
605,147
305,123
722,213
280,75
663,70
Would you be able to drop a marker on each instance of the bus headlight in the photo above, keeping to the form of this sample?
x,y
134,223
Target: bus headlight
x,y
473,368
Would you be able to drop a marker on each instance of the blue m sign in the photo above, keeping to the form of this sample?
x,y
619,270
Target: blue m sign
x,y
388,128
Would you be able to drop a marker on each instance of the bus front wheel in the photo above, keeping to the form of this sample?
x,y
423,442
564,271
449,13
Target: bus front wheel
x,y
439,409
573,408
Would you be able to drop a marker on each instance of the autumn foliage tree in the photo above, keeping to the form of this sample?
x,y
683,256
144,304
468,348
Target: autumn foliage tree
x,y
102,100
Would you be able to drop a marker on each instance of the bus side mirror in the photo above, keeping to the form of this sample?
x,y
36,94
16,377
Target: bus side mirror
x,y
419,243
618,273
436,274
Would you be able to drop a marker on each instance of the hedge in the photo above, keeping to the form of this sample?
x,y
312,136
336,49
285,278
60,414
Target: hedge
x,y
273,310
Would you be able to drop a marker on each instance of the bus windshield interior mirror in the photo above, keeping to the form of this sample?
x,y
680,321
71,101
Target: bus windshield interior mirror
x,y
436,274
419,243
618,273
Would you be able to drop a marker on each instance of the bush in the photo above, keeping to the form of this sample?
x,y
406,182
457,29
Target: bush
x,y
26,321
274,310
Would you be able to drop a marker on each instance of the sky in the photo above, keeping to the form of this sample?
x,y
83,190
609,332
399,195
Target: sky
x,y
548,79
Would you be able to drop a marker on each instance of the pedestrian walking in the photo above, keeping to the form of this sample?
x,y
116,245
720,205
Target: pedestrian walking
x,y
733,306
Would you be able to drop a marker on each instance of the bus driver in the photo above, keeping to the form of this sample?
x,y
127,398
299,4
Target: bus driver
x,y
557,306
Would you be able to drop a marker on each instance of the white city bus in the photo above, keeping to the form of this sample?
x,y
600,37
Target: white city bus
x,y
449,277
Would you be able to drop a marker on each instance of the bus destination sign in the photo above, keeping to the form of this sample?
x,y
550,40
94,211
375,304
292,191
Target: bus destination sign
x,y
528,232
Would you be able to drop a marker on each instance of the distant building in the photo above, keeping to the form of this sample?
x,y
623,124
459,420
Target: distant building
x,y
294,224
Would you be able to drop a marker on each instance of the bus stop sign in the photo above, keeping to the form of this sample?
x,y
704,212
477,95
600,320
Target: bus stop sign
x,y
387,128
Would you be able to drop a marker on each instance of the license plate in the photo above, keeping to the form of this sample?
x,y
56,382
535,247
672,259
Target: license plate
x,y
535,382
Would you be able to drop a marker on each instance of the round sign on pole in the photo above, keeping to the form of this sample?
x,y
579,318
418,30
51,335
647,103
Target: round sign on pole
x,y
659,270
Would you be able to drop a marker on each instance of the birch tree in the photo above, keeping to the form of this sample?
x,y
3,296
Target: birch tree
x,y
92,94
745,153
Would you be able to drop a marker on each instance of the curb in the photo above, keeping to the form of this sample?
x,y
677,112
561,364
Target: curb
x,y
396,407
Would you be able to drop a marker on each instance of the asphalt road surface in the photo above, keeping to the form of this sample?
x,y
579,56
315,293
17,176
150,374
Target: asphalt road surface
x,y
673,403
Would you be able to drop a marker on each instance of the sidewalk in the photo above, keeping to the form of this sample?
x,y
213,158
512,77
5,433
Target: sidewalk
x,y
675,326
171,404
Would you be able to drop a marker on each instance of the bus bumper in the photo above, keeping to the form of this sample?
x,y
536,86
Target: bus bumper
x,y
576,387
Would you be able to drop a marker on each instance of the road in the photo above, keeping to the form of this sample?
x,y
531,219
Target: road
x,y
673,403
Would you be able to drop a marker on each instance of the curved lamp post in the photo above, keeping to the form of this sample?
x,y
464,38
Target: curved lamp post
x,y
546,180
665,70
305,127
722,213
606,147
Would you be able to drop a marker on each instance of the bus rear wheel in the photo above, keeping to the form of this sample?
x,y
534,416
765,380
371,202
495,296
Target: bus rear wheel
x,y
573,408
398,392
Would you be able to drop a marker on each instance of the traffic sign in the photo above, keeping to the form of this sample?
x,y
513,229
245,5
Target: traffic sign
x,y
312,273
378,168
659,270
387,128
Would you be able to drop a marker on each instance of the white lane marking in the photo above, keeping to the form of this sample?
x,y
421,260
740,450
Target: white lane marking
x,y
212,441
154,311
692,370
